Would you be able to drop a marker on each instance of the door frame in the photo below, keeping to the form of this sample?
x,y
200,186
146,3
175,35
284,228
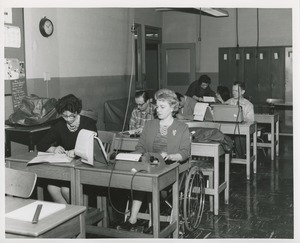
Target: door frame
x,y
164,60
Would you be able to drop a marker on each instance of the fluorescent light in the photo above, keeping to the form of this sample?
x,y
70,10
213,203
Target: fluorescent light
x,y
217,12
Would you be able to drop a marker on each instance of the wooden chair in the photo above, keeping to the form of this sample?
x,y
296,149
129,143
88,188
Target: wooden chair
x,y
19,183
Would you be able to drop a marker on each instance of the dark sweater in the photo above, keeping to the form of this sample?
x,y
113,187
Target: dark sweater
x,y
195,89
60,134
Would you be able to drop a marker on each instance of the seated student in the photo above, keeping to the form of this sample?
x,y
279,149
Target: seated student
x,y
238,90
61,138
223,94
186,107
200,88
166,136
142,113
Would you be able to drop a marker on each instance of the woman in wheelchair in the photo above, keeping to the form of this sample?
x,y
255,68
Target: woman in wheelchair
x,y
166,136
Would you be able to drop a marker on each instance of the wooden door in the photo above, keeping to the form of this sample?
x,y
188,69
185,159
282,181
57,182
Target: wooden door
x,y
178,65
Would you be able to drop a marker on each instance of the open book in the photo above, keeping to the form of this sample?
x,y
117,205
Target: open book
x,y
26,213
50,158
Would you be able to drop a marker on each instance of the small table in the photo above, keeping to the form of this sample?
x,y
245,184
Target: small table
x,y
272,119
215,150
25,135
58,171
153,181
67,223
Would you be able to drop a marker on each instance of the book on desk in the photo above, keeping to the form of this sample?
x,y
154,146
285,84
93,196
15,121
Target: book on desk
x,y
49,158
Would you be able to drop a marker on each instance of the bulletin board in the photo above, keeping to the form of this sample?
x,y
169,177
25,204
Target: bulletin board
x,y
14,59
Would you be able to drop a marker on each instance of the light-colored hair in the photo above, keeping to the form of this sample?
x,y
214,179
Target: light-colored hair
x,y
169,96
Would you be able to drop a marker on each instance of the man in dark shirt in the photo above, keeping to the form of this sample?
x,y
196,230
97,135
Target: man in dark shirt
x,y
200,88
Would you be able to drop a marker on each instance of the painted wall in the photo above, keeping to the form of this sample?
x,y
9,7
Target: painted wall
x,y
275,28
89,54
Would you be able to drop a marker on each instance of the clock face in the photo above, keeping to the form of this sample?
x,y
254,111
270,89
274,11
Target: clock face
x,y
46,27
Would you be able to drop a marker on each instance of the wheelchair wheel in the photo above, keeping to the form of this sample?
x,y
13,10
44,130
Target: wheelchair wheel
x,y
194,196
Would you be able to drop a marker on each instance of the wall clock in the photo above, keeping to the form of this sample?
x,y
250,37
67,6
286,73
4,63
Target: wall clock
x,y
46,27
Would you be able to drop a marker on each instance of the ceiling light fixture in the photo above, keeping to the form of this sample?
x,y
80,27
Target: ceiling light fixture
x,y
215,12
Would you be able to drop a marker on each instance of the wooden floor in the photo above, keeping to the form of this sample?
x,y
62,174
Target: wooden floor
x,y
259,208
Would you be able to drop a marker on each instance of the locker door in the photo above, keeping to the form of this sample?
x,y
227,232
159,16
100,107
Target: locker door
x,y
263,72
226,72
277,72
250,74
230,66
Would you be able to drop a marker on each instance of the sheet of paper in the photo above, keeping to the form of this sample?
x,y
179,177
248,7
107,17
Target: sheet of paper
x,y
128,156
26,213
199,111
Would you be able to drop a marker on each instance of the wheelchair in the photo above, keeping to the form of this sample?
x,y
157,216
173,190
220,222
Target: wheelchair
x,y
191,199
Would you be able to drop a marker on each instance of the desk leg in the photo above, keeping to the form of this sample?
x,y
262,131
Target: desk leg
x,y
255,151
277,138
7,145
82,226
272,140
216,184
248,155
31,144
175,192
156,208
73,187
227,177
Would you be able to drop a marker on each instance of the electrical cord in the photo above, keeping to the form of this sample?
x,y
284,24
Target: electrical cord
x,y
124,121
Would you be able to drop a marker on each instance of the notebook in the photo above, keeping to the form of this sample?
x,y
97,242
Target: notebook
x,y
202,112
228,113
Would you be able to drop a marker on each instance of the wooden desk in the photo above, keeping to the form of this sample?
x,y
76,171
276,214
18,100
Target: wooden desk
x,y
153,182
215,150
61,171
272,119
67,223
246,129
25,135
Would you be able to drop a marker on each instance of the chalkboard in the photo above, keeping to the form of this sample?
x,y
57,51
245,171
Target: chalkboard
x,y
18,91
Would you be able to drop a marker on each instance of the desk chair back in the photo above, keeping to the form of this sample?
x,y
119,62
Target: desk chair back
x,y
204,124
108,139
19,183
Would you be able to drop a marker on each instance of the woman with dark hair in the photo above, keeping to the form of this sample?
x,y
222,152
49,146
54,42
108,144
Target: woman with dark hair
x,y
223,94
61,138
166,136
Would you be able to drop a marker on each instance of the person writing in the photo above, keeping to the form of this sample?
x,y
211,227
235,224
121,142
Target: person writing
x,y
61,138
166,136
143,113
186,107
200,88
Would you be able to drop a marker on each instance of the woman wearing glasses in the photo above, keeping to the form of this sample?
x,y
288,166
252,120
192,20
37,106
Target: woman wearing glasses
x,y
61,138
